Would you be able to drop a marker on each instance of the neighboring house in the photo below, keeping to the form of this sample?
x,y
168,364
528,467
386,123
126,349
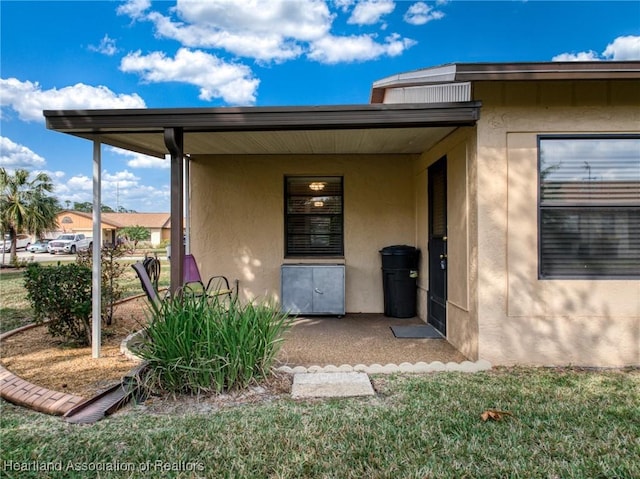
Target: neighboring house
x,y
158,224
519,183
70,221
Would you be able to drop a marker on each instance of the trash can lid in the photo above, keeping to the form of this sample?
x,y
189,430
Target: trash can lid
x,y
398,249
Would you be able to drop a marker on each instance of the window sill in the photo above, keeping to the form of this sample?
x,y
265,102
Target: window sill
x,y
314,260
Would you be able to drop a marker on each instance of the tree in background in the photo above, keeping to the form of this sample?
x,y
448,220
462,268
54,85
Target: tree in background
x,y
135,234
25,206
87,207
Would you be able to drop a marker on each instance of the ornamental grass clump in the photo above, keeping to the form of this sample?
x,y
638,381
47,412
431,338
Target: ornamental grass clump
x,y
196,344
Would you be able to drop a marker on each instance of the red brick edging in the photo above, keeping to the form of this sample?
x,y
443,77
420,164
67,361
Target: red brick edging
x,y
18,391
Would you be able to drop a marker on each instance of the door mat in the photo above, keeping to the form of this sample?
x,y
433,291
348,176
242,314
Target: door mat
x,y
416,331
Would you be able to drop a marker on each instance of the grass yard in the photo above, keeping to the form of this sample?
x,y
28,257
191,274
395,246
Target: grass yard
x,y
15,310
564,424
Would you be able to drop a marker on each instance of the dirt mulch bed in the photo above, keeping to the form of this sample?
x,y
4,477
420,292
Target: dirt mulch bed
x,y
37,357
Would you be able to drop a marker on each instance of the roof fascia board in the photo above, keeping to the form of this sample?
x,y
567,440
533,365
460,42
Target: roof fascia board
x,y
90,123
442,74
464,72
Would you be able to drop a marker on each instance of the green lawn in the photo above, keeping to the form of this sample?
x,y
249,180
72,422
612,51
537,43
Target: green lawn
x,y
15,310
565,424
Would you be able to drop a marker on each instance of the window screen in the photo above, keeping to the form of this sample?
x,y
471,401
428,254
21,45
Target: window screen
x,y
314,216
589,206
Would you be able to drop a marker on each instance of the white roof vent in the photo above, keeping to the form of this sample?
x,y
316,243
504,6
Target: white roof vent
x,y
445,93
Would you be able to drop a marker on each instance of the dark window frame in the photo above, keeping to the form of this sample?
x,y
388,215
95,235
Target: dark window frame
x,y
576,206
331,252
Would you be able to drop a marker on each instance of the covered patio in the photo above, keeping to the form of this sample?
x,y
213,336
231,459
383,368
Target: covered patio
x,y
382,134
359,339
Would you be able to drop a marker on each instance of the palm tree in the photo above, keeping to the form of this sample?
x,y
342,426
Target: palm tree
x,y
25,206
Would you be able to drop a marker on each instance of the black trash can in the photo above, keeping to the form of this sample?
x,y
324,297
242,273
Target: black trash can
x,y
399,280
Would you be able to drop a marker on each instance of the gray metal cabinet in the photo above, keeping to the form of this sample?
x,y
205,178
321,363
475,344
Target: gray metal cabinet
x,y
313,288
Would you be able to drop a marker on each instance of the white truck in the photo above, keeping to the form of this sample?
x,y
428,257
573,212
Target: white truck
x,y
22,241
69,243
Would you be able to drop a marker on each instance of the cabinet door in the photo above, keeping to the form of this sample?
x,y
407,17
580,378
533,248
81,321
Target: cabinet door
x,y
297,289
328,290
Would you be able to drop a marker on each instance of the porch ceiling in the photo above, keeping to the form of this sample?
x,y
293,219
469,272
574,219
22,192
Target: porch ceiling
x,y
363,129
361,141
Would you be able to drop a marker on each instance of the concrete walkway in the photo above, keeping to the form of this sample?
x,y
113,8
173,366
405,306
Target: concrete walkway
x,y
311,385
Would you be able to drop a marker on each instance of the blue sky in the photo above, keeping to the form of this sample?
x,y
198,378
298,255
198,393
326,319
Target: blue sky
x,y
142,54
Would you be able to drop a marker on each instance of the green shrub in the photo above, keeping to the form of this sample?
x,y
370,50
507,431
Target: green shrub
x,y
195,344
112,270
61,294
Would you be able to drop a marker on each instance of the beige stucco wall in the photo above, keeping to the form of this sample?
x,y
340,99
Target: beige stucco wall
x,y
459,149
523,319
156,236
237,218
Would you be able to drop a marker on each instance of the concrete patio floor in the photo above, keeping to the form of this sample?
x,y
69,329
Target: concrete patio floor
x,y
358,339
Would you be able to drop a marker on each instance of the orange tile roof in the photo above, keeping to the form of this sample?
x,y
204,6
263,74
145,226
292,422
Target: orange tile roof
x,y
147,220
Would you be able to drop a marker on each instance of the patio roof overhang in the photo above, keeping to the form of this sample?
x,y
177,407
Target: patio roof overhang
x,y
343,129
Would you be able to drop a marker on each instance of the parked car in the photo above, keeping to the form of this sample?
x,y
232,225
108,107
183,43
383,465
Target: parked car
x,y
38,246
69,243
22,242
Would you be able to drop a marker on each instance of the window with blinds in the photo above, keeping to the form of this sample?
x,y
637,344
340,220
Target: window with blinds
x,y
314,216
589,211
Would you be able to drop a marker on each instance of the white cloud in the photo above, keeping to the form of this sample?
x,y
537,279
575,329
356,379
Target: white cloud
x,y
621,49
79,183
268,30
138,160
28,99
357,48
107,46
14,156
134,8
119,189
124,189
263,46
369,12
343,4
124,179
421,13
216,78
300,19
576,57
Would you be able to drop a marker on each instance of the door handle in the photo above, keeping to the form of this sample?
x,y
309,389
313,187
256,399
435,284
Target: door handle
x,y
443,256
318,291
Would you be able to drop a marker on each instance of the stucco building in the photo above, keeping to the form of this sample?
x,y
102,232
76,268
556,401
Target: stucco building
x,y
519,183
